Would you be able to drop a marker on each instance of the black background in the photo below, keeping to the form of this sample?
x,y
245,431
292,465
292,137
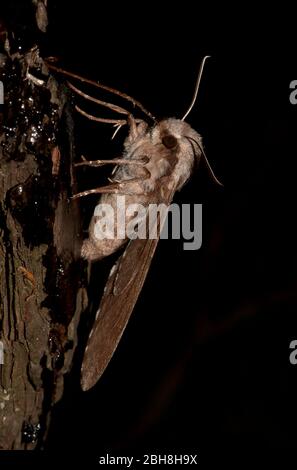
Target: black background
x,y
204,363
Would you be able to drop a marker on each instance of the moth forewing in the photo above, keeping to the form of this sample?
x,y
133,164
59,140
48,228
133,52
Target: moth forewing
x,y
121,292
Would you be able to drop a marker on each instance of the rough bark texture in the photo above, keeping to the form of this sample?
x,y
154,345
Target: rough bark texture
x,y
41,290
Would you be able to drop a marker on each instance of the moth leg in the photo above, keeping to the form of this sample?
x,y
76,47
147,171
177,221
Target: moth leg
x,y
137,128
118,122
104,87
115,161
118,127
119,161
114,188
113,107
132,127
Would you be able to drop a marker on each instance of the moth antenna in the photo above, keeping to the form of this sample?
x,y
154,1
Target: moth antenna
x,y
103,87
196,87
209,168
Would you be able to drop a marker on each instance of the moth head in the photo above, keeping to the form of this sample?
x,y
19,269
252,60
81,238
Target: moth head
x,y
178,137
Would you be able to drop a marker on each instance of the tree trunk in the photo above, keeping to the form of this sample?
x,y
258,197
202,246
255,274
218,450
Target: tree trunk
x,y
41,288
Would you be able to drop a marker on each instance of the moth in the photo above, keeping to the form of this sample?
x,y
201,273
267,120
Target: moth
x,y
157,161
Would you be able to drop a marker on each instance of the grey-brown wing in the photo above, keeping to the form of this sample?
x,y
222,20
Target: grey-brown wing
x,y
119,298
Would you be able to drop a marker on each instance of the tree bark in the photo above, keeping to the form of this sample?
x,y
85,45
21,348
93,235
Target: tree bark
x,y
41,280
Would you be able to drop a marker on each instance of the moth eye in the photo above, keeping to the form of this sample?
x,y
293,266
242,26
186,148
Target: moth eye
x,y
169,141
